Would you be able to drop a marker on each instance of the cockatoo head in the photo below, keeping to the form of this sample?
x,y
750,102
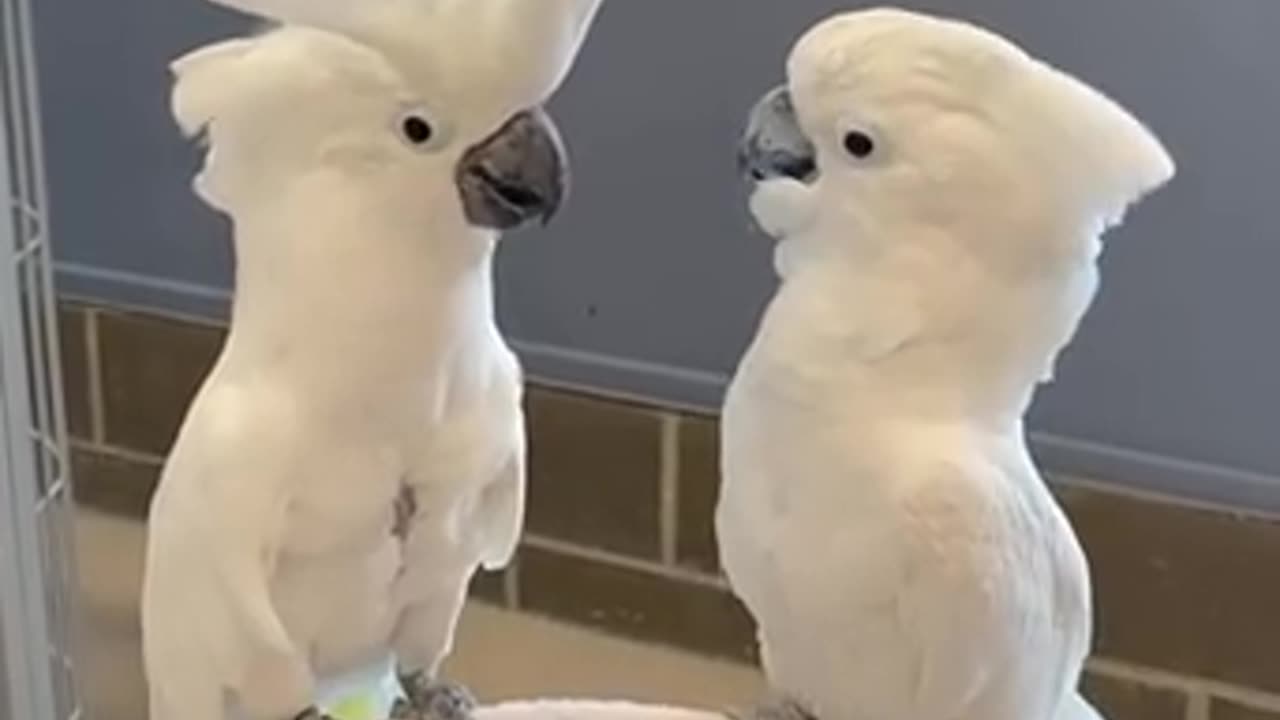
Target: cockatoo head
x,y
434,106
943,194
891,117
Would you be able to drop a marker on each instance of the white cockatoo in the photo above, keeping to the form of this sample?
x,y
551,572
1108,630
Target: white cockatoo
x,y
359,449
939,197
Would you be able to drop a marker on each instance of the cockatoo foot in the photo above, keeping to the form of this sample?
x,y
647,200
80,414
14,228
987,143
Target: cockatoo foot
x,y
433,700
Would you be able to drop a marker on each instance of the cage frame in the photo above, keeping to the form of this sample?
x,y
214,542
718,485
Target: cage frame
x,y
38,577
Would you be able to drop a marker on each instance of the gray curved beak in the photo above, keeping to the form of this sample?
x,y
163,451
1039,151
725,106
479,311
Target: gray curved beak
x,y
774,146
518,174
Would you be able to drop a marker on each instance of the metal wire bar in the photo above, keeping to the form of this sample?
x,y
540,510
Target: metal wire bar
x,y
37,565
15,100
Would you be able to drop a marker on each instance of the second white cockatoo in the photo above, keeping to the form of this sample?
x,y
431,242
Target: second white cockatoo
x,y
358,451
939,198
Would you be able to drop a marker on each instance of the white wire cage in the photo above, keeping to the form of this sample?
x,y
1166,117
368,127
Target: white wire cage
x,y
37,570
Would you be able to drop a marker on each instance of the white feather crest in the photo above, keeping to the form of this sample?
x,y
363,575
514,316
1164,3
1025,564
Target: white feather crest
x,y
534,41
203,80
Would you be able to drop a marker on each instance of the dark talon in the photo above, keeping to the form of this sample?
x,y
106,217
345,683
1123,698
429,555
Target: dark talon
x,y
311,713
431,700
402,710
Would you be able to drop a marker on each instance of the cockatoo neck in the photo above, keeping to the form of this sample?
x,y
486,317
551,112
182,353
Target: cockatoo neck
x,y
919,323
318,283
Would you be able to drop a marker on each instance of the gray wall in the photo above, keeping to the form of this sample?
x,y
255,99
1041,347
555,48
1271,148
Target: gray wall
x,y
651,283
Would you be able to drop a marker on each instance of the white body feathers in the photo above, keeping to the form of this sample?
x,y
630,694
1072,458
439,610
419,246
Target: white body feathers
x,y
363,365
358,450
880,514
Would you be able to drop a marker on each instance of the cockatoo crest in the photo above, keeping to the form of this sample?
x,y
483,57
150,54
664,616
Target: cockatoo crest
x,y
969,129
272,106
505,55
331,85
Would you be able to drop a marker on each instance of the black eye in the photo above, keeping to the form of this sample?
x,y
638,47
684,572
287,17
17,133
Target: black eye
x,y
859,144
417,130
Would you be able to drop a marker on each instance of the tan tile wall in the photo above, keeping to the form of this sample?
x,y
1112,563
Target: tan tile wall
x,y
620,535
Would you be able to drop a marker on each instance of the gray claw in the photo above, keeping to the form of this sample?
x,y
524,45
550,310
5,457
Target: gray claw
x,y
311,713
433,700
402,710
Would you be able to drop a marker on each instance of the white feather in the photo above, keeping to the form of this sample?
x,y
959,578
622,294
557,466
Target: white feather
x,y
880,514
363,359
